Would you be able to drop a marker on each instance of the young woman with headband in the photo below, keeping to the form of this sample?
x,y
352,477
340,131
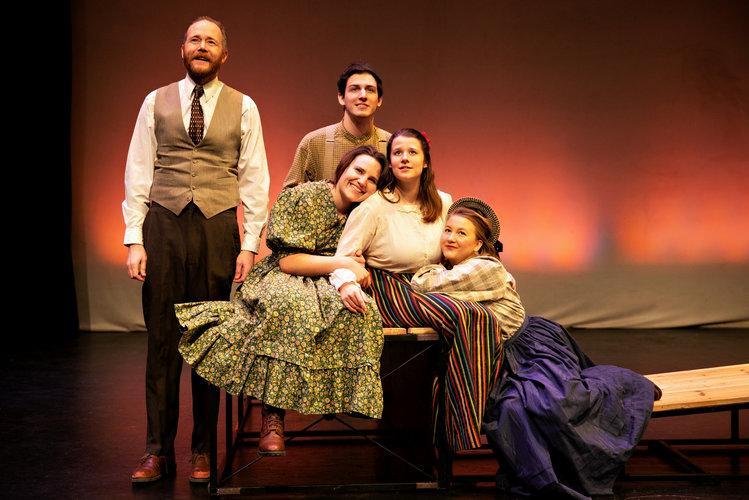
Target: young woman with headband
x,y
561,426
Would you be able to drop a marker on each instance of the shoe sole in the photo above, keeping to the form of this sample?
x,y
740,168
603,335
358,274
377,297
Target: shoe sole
x,y
141,480
145,480
199,480
272,453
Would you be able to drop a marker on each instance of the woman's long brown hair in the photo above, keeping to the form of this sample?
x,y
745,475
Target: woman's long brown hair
x,y
429,198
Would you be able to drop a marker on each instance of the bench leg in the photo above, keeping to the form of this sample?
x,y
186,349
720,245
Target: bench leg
x,y
213,452
444,453
444,468
735,424
665,450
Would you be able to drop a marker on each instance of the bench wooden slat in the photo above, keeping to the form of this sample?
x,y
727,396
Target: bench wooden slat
x,y
699,384
702,388
394,331
698,398
696,381
723,384
420,330
718,372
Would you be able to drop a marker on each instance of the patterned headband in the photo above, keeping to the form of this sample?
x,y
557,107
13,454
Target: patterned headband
x,y
486,211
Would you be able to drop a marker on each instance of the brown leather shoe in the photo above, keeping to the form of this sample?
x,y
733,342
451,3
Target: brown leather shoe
x,y
152,468
657,393
271,432
201,472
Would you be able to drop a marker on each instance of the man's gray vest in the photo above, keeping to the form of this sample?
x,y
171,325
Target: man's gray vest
x,y
205,174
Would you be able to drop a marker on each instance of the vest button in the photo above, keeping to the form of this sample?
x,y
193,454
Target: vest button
x,y
194,174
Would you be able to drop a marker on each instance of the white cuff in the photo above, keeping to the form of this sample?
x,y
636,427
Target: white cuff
x,y
251,243
341,276
133,236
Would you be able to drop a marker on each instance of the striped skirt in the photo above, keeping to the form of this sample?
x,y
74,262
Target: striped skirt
x,y
473,361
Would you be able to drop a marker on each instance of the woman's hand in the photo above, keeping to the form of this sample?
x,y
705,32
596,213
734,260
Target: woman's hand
x,y
353,297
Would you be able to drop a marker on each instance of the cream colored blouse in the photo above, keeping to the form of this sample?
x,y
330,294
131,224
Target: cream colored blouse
x,y
392,236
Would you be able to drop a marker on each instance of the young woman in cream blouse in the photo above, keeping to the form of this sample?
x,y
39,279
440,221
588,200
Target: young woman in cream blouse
x,y
397,231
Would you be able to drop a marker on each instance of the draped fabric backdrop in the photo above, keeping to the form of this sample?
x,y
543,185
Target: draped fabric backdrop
x,y
612,137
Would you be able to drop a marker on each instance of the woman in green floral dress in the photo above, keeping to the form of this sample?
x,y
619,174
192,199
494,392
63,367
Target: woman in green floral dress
x,y
286,338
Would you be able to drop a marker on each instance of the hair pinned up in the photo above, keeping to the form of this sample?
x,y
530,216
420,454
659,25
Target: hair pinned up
x,y
486,213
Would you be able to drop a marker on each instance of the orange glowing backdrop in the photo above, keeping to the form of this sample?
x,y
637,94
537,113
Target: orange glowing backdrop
x,y
611,137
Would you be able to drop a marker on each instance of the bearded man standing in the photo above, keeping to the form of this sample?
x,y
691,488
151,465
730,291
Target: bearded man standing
x,y
196,154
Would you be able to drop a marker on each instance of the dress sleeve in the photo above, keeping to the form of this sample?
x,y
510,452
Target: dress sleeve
x,y
472,275
295,218
358,232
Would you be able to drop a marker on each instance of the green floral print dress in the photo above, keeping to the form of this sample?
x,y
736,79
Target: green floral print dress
x,y
288,340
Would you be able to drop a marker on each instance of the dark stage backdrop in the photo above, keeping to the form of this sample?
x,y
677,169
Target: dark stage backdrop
x,y
612,137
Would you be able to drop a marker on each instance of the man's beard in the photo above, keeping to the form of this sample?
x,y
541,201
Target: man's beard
x,y
203,76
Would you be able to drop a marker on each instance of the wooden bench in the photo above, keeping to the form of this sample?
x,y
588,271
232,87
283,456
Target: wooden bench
x,y
421,345
424,333
724,388
688,392
695,390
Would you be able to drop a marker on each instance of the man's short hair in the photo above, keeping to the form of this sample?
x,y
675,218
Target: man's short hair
x,y
355,69
224,42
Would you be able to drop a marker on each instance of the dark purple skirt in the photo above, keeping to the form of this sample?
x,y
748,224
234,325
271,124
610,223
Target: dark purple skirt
x,y
557,422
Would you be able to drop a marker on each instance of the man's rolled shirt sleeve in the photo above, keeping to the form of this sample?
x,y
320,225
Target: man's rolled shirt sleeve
x,y
253,176
139,172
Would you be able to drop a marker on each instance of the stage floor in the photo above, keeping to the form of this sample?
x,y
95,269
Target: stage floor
x,y
73,417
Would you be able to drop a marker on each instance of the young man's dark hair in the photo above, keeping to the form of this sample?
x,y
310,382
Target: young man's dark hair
x,y
355,69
